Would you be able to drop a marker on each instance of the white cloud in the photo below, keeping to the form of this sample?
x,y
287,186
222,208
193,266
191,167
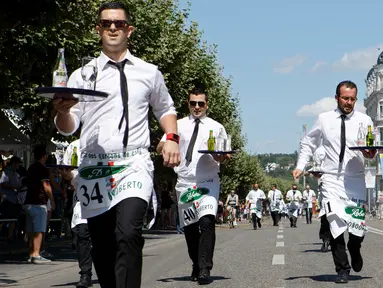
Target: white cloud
x,y
323,105
287,65
318,65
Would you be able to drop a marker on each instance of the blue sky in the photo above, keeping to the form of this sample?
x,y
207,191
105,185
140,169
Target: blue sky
x,y
286,58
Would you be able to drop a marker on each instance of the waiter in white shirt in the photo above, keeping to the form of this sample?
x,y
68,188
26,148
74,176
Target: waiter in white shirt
x,y
308,196
116,173
274,197
342,184
254,200
294,198
198,183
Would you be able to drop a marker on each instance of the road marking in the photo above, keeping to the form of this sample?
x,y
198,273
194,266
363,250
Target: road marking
x,y
280,244
375,231
278,259
280,231
280,236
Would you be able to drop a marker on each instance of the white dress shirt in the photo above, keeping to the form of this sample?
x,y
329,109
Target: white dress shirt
x,y
327,130
255,197
274,197
146,86
308,197
294,197
341,181
202,166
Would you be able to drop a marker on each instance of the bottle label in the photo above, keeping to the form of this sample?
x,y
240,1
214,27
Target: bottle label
x,y
59,80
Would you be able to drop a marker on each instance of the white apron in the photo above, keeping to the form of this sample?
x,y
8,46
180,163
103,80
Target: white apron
x,y
341,197
104,180
293,209
196,199
256,208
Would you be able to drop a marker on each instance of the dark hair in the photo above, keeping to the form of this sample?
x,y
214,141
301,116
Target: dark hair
x,y
39,151
114,5
197,90
347,84
274,185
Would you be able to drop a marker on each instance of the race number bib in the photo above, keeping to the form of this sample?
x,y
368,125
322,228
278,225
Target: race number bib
x,y
196,201
103,186
356,222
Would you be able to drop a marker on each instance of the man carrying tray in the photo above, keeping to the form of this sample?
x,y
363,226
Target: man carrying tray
x,y
198,184
115,181
343,187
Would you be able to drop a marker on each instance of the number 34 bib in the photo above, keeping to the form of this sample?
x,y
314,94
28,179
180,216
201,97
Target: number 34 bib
x,y
103,186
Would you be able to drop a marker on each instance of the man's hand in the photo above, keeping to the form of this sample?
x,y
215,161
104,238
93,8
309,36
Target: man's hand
x,y
369,154
171,154
221,158
63,106
297,173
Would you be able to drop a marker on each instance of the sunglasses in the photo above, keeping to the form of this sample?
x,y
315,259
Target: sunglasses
x,y
105,23
194,103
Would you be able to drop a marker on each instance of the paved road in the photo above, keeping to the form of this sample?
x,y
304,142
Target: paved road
x,y
270,257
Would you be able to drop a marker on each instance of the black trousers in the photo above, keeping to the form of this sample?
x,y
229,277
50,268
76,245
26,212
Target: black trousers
x,y
117,244
276,217
255,221
83,248
293,221
200,239
338,246
309,215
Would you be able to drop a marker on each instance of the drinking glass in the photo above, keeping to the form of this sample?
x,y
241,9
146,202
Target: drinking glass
x,y
89,72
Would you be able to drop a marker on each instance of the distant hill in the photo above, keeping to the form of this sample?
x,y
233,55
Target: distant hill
x,y
281,166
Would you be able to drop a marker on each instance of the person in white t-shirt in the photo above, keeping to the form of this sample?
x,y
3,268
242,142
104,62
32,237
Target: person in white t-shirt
x,y
307,197
254,200
116,171
198,183
294,197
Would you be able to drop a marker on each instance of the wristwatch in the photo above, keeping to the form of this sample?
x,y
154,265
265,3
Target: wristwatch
x,y
173,137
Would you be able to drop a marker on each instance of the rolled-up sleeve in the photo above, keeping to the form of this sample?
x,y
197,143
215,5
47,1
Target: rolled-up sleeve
x,y
309,144
76,110
160,99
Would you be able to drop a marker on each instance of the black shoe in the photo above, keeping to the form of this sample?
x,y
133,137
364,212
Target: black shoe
x,y
195,273
204,277
85,282
342,277
356,258
259,225
324,247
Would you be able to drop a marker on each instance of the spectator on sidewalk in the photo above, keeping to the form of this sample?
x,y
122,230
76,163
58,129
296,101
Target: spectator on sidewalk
x,y
39,190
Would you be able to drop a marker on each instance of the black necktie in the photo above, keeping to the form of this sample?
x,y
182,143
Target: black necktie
x,y
189,152
125,98
342,138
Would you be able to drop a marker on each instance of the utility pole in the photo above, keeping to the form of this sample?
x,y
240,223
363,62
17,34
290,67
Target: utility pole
x,y
304,170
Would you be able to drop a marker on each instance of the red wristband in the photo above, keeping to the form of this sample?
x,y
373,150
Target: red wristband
x,y
173,137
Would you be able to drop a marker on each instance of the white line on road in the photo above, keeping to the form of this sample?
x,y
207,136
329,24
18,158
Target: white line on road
x,y
280,236
280,231
278,259
280,244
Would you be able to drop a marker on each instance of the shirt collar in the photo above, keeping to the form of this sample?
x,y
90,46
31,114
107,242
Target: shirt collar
x,y
202,119
348,116
103,59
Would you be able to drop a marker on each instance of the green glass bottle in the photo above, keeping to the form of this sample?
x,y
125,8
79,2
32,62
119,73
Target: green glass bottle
x,y
369,137
74,159
211,141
